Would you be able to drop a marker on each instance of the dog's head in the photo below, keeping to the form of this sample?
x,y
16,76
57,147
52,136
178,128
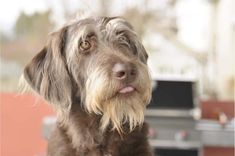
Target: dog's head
x,y
99,61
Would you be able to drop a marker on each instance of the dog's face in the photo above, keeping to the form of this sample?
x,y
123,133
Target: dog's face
x,y
99,60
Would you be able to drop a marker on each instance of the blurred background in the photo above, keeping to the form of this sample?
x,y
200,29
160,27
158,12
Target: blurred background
x,y
191,44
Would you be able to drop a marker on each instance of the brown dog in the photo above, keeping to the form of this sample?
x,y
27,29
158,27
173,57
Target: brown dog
x,y
93,71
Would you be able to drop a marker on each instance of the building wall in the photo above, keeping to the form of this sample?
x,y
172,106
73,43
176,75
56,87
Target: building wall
x,y
225,49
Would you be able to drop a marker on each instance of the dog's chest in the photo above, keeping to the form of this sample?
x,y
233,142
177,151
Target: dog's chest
x,y
105,145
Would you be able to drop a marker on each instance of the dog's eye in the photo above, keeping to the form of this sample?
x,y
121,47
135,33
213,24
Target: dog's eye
x,y
123,39
85,45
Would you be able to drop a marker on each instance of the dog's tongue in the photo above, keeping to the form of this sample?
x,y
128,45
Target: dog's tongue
x,y
126,90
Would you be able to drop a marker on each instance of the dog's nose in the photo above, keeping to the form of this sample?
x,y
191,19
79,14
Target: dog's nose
x,y
124,71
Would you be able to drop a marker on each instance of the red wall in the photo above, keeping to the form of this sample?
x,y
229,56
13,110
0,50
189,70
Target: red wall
x,y
21,125
211,109
218,151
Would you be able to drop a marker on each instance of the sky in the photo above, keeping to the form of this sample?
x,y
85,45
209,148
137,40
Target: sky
x,y
192,15
10,9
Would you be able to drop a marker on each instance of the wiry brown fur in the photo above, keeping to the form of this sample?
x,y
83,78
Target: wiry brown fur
x,y
94,118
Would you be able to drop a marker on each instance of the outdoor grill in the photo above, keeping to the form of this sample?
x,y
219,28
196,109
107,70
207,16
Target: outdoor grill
x,y
170,116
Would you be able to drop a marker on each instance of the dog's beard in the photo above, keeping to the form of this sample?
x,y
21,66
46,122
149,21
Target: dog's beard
x,y
117,109
121,110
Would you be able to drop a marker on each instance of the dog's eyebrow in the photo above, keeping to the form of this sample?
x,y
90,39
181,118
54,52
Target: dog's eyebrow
x,y
87,32
120,32
91,34
88,35
124,32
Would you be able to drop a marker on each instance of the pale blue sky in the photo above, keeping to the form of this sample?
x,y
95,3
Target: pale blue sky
x,y
10,9
193,15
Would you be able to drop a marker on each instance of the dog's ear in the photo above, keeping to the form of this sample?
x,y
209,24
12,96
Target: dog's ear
x,y
47,73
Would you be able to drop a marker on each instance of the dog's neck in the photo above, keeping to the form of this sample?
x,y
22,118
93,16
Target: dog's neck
x,y
92,138
80,122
